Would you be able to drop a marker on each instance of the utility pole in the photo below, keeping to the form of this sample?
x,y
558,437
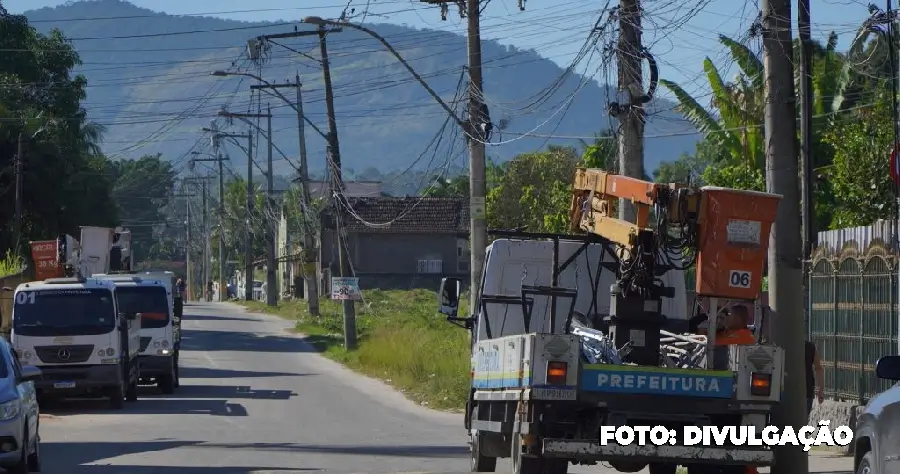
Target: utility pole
x,y
271,280
477,178
631,117
785,246
334,156
204,272
251,195
889,19
206,236
215,135
475,130
187,244
18,165
309,246
807,213
189,268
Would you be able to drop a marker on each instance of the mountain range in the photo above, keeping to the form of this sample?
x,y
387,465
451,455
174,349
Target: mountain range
x,y
150,83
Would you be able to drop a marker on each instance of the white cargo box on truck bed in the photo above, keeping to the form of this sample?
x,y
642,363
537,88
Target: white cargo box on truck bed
x,y
546,365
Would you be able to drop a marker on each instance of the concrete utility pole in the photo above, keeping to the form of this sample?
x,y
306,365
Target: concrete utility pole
x,y
215,135
631,134
18,165
271,235
477,178
334,156
806,134
206,237
248,266
476,128
785,246
807,186
188,267
203,181
309,245
188,264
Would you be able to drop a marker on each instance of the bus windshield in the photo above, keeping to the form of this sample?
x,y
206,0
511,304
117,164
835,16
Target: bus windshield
x,y
151,301
64,312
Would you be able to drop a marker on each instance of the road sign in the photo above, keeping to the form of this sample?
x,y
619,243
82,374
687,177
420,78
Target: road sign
x,y
346,288
895,165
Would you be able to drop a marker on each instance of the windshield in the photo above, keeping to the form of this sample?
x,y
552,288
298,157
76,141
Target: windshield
x,y
151,301
64,312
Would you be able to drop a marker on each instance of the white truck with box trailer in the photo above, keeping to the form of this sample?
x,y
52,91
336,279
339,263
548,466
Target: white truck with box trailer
x,y
151,299
73,330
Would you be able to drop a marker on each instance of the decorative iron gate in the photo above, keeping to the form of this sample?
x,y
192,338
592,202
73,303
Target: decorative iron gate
x,y
853,318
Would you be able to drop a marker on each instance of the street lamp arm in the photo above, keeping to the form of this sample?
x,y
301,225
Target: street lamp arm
x,y
321,21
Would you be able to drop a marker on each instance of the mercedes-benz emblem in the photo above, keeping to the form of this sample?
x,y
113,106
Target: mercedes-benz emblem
x,y
64,354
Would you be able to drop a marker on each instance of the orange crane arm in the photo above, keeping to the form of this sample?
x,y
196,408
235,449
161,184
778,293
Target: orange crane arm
x,y
594,193
726,231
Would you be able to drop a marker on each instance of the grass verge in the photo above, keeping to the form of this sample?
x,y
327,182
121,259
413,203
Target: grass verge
x,y
402,340
11,264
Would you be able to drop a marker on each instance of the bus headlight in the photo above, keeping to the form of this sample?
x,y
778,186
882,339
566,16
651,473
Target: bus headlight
x,y
108,352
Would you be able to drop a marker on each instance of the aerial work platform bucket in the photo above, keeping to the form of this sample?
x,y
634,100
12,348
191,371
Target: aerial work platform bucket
x,y
734,241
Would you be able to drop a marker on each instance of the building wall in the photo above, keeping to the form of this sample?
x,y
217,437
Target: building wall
x,y
384,260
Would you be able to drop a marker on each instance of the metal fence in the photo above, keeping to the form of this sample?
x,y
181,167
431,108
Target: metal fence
x,y
853,318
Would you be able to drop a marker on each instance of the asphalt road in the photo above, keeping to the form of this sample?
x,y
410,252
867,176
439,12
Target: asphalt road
x,y
255,399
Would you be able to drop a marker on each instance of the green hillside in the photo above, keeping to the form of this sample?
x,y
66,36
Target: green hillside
x,y
150,84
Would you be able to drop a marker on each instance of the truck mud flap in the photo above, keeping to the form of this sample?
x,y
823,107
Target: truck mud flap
x,y
592,450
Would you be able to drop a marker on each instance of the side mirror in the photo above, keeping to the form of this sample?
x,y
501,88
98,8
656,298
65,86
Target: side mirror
x,y
448,296
888,368
132,316
30,373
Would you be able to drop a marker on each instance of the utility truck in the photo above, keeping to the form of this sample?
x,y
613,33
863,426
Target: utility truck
x,y
151,299
573,333
74,331
168,279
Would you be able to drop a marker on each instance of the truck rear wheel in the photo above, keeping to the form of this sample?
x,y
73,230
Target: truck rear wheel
x,y
480,463
522,464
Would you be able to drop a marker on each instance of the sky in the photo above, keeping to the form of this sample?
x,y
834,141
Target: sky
x,y
678,36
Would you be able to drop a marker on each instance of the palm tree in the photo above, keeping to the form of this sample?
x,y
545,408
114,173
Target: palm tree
x,y
740,104
90,137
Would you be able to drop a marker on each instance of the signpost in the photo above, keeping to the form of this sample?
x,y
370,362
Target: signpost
x,y
345,288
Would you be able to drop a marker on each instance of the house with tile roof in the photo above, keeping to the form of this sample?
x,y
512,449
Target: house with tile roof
x,y
398,242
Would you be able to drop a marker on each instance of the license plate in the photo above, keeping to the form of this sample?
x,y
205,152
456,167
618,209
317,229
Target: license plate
x,y
543,393
64,385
